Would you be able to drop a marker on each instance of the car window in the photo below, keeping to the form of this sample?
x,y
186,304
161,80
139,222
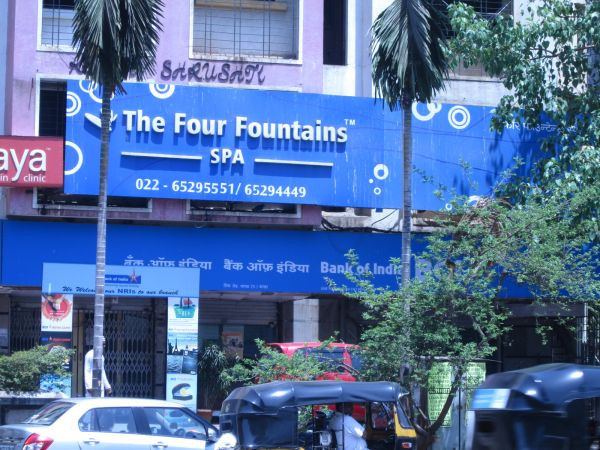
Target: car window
x,y
49,413
175,422
108,420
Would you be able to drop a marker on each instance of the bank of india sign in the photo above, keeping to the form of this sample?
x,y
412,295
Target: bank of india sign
x,y
187,142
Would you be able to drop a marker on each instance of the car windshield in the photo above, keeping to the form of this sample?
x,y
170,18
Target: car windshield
x,y
49,413
333,358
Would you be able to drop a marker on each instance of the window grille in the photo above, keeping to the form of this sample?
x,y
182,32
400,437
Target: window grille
x,y
239,28
57,22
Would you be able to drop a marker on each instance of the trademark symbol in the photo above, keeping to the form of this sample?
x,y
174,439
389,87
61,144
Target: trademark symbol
x,y
350,121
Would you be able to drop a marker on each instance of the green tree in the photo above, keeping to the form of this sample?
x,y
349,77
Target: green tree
x,y
549,61
114,39
408,64
455,313
22,371
272,365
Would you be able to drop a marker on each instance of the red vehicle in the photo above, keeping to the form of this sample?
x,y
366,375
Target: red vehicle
x,y
343,359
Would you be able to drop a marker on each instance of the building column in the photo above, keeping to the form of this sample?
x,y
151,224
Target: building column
x,y
306,320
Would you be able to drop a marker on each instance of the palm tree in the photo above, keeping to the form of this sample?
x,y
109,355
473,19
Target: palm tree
x,y
114,39
408,65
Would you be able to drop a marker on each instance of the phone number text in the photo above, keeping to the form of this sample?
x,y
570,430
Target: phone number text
x,y
224,188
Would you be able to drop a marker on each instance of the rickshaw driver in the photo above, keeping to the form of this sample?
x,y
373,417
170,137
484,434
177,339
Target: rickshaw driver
x,y
349,434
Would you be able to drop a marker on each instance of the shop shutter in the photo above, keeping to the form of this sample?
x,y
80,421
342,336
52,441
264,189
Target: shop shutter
x,y
242,312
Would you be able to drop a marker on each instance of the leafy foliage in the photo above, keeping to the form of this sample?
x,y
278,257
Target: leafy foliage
x,y
454,313
550,63
116,38
21,371
407,52
272,365
212,361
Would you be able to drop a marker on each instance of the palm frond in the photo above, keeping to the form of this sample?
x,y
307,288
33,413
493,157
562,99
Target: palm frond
x,y
115,39
407,52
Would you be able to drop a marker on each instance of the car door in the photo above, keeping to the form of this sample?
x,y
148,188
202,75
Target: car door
x,y
109,428
173,428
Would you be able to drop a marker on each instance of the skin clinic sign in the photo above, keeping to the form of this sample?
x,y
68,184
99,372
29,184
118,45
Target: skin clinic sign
x,y
31,161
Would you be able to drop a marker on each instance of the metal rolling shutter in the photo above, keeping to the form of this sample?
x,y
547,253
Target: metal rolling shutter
x,y
246,312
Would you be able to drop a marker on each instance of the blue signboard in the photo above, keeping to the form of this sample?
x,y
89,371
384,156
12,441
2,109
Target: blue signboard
x,y
121,281
455,152
194,142
228,259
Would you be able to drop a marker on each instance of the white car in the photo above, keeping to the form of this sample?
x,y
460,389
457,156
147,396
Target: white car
x,y
113,423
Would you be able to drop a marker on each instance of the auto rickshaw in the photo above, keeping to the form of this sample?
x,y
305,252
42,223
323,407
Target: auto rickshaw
x,y
295,414
552,406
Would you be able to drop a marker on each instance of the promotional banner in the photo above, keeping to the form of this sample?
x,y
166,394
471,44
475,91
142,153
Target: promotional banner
x,y
31,161
232,338
57,329
122,281
195,142
182,350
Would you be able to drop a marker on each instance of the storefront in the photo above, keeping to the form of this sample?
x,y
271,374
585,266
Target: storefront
x,y
246,277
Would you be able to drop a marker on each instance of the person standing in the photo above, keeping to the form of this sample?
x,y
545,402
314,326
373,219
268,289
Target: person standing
x,y
88,368
349,434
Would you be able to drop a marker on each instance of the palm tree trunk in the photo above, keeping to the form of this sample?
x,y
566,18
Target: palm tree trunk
x,y
407,187
101,245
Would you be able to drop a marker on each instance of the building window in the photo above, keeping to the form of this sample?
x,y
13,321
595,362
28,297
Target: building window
x,y
57,23
209,207
53,100
334,32
246,28
487,9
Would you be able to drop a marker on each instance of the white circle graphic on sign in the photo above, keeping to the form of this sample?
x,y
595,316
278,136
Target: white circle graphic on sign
x,y
459,117
162,91
79,157
381,171
73,103
377,191
91,89
433,109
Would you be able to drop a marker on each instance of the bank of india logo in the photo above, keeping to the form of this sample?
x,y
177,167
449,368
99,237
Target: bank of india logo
x,y
459,117
56,307
380,172
161,91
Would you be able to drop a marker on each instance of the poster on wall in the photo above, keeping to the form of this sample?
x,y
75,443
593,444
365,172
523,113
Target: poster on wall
x,y
56,331
182,350
232,338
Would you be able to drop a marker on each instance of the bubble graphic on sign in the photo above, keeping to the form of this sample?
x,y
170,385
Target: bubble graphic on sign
x,y
79,158
73,103
459,117
432,108
161,90
381,172
91,88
